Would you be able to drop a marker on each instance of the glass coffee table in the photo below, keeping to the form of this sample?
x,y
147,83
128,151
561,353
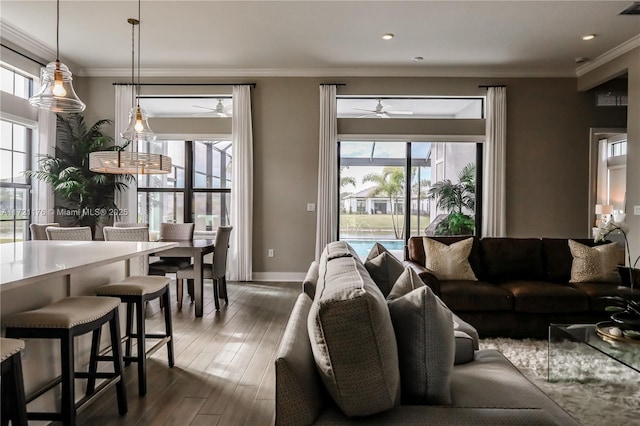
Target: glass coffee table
x,y
579,352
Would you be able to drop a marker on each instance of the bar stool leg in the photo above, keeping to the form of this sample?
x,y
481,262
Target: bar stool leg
x,y
168,327
114,328
13,399
93,360
68,409
142,356
215,293
128,333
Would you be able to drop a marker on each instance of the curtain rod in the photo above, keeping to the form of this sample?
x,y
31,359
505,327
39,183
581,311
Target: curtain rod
x,y
333,84
253,85
486,86
23,55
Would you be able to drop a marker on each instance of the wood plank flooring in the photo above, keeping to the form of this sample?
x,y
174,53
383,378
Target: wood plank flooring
x,y
224,372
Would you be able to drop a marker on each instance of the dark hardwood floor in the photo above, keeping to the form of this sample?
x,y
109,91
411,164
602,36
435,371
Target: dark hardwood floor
x,y
224,373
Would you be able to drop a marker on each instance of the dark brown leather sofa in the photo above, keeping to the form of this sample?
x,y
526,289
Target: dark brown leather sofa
x,y
523,286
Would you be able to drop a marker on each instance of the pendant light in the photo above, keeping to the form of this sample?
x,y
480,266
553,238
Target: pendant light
x,y
138,128
56,90
132,161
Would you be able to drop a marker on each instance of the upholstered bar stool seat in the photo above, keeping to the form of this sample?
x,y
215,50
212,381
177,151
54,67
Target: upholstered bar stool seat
x,y
14,405
64,320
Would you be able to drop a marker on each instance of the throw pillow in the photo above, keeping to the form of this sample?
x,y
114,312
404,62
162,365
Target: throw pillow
x,y
426,346
594,264
384,268
449,262
408,281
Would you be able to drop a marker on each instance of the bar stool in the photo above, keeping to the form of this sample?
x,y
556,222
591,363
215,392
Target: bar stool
x,y
14,405
136,291
64,320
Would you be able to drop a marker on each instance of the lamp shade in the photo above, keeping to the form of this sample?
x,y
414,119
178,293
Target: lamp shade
x,y
56,91
604,209
123,162
138,128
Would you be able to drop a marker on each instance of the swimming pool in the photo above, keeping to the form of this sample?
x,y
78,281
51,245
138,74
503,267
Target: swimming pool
x,y
362,247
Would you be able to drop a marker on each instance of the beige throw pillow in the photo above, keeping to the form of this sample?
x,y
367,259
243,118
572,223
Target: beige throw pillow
x,y
594,264
449,262
408,281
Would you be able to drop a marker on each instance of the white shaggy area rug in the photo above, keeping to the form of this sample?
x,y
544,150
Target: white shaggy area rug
x,y
595,390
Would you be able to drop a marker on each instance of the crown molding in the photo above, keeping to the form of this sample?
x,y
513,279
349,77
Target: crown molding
x,y
482,72
608,56
34,47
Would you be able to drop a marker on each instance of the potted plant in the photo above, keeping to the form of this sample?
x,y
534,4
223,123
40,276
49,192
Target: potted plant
x,y
629,274
456,199
81,194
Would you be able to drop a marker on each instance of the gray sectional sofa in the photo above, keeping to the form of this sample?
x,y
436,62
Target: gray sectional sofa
x,y
339,361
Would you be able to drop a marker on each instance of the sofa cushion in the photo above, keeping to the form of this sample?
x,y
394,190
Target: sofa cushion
x,y
558,259
475,296
594,264
545,297
300,395
383,267
513,259
449,262
353,341
426,346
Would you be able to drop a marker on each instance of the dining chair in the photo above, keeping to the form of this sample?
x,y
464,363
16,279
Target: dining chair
x,y
216,271
76,233
173,232
39,230
130,225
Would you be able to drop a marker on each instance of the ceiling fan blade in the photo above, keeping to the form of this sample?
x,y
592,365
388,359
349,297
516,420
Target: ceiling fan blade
x,y
199,106
367,110
400,112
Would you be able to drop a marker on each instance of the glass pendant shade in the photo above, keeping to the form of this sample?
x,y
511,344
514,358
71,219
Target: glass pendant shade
x,y
56,91
138,128
123,162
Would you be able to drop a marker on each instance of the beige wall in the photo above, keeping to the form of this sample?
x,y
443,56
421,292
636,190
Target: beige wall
x,y
630,63
547,172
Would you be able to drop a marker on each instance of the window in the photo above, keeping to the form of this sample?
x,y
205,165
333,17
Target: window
x,y
385,189
617,149
197,190
414,107
15,83
15,188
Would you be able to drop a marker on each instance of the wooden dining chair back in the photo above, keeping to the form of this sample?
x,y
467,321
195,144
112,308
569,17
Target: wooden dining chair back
x,y
112,233
77,233
173,232
39,230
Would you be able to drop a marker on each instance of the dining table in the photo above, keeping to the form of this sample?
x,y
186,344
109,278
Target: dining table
x,y
195,249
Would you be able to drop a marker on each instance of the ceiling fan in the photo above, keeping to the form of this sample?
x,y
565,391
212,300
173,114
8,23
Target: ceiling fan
x,y
219,111
381,112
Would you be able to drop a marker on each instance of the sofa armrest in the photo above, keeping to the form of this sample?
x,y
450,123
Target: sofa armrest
x,y
311,280
426,275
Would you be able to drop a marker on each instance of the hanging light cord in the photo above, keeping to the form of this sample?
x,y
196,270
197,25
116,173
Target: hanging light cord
x,y
58,31
133,56
139,26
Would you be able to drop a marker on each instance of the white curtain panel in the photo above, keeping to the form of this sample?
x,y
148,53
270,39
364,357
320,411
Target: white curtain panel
x,y
494,179
125,200
240,266
327,217
44,200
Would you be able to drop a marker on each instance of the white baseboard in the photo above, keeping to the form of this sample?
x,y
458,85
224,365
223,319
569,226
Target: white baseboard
x,y
279,276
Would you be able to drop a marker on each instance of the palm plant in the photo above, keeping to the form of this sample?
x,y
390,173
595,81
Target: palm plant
x,y
390,183
86,196
455,199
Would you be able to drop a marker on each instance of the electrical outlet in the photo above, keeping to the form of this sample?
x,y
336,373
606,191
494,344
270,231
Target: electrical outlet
x,y
636,210
311,207
271,253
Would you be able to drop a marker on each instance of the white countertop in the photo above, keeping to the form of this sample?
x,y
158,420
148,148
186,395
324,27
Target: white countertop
x,y
29,261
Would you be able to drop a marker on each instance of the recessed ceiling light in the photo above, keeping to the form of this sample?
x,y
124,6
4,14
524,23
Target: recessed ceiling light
x,y
387,36
418,59
588,37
